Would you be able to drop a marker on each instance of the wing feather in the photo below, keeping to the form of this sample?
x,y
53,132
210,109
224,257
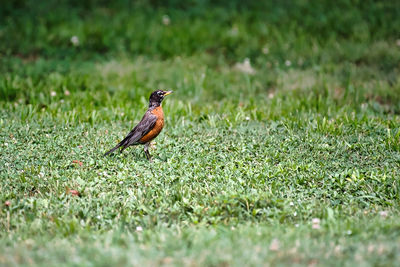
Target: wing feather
x,y
142,128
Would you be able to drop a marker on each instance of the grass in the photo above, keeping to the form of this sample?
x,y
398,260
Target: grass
x,y
295,161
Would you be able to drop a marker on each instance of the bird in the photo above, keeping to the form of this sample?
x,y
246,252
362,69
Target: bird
x,y
148,128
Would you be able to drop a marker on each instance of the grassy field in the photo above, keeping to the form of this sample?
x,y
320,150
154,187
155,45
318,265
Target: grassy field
x,y
289,159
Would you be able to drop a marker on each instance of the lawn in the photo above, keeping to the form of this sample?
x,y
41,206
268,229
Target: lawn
x,y
281,145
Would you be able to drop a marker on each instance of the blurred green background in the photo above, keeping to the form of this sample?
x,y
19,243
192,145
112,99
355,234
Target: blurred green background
x,y
291,44
353,41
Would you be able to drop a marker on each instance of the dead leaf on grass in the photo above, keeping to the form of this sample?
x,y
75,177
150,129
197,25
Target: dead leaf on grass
x,y
77,162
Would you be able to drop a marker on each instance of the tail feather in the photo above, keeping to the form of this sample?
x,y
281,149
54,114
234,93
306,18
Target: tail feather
x,y
113,149
124,143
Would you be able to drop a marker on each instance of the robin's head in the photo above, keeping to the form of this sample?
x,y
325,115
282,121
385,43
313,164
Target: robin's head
x,y
157,97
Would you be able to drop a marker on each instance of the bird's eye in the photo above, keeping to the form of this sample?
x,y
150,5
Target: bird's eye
x,y
159,93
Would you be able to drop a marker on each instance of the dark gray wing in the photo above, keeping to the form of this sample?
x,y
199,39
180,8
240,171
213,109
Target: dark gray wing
x,y
144,126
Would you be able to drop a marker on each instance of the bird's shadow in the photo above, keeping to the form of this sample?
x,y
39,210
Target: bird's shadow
x,y
137,156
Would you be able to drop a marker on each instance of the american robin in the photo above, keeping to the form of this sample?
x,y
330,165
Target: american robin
x,y
148,128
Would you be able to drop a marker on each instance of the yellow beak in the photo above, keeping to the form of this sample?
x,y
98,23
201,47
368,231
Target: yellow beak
x,y
168,93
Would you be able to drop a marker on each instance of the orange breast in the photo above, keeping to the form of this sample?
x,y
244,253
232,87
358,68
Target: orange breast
x,y
157,127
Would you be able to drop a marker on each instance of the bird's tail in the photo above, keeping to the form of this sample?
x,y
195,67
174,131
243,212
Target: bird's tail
x,y
124,144
113,149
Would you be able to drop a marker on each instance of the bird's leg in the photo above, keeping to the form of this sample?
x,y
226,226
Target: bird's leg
x,y
146,151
